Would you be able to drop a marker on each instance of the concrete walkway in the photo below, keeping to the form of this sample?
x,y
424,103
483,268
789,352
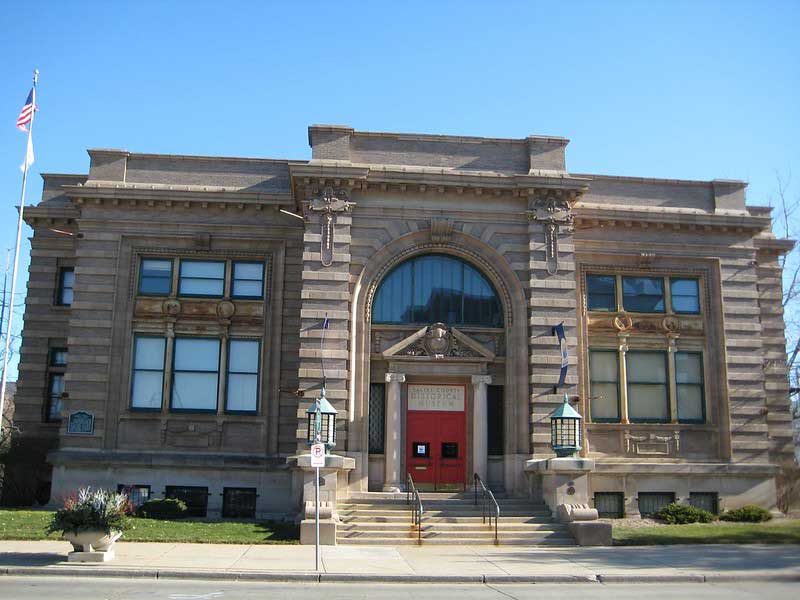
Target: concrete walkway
x,y
415,563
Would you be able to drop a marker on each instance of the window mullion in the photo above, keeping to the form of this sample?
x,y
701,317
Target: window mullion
x,y
169,368
672,396
222,375
623,379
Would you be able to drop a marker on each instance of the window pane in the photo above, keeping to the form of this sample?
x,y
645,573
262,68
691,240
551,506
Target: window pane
x,y
603,366
149,353
494,416
245,270
247,288
210,270
68,278
377,417
59,357
55,391
438,285
685,295
242,392
648,402
690,403
156,276
147,389
688,367
481,305
393,300
194,391
196,355
605,401
202,287
601,292
643,294
646,367
243,356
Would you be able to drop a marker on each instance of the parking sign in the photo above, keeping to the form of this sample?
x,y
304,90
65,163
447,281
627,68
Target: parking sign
x,y
318,455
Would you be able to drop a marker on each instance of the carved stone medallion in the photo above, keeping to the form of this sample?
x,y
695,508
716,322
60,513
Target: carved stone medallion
x,y
438,339
225,309
171,308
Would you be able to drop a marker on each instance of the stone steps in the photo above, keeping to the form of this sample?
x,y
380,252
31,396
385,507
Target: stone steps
x,y
448,518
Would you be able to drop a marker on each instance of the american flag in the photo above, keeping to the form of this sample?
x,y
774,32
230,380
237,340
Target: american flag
x,y
26,114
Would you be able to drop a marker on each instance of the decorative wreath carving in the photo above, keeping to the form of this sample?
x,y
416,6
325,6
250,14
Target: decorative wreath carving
x,y
171,308
623,322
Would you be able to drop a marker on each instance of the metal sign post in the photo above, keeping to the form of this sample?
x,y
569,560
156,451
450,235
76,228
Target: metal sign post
x,y
317,461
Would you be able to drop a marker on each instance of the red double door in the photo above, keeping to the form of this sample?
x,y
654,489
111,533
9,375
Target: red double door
x,y
436,440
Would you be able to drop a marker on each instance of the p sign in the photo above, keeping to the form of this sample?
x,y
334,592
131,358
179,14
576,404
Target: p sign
x,y
318,455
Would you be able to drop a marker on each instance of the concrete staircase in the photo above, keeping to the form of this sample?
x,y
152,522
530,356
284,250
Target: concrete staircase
x,y
379,518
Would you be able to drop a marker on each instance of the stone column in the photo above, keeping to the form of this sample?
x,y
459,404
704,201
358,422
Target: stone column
x,y
393,444
480,425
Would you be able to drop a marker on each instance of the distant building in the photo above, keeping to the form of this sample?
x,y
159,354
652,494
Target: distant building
x,y
173,326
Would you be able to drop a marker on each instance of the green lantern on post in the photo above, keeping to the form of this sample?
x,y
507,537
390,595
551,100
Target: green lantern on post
x,y
565,430
321,422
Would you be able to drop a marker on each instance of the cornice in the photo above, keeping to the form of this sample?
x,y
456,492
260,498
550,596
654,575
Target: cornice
x,y
781,246
661,218
103,191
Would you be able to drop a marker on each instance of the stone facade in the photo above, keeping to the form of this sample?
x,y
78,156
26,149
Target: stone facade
x,y
508,208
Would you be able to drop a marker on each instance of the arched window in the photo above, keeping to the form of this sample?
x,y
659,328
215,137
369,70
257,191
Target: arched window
x,y
437,287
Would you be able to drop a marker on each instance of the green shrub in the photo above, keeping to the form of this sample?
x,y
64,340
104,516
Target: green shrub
x,y
749,513
167,509
680,514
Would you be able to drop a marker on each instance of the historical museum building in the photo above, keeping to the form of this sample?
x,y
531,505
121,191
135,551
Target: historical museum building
x,y
183,311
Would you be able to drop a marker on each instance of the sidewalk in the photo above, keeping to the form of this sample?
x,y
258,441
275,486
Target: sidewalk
x,y
465,564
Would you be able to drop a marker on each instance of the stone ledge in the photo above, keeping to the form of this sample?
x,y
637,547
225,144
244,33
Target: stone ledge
x,y
719,469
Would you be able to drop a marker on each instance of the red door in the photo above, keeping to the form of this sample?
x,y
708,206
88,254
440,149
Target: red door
x,y
436,440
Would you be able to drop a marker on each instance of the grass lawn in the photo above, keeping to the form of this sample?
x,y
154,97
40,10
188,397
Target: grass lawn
x,y
31,524
777,531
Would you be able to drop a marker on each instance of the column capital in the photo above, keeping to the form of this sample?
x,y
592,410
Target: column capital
x,y
395,377
481,379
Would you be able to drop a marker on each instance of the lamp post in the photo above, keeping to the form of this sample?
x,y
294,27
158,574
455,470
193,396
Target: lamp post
x,y
565,430
321,432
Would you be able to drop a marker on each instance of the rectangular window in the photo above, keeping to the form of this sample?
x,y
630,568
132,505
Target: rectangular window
x,y
202,278
652,502
494,417
248,280
137,494
601,292
195,498
643,294
685,296
377,417
66,285
58,357
689,387
147,383
705,500
647,387
242,388
195,374
55,387
155,276
604,385
239,503
610,505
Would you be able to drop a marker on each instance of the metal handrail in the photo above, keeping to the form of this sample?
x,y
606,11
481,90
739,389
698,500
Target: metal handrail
x,y
416,509
486,493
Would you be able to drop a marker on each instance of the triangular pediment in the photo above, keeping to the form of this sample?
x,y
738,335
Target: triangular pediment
x,y
438,341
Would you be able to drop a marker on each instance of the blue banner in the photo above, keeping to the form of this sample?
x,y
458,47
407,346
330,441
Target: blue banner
x,y
562,342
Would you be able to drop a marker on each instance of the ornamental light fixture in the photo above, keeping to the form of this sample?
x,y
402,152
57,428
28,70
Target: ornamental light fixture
x,y
565,430
321,422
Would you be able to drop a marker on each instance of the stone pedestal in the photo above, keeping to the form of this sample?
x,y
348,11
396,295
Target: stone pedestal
x,y
332,481
561,480
95,556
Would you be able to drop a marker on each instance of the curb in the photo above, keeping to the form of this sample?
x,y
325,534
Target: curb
x,y
310,577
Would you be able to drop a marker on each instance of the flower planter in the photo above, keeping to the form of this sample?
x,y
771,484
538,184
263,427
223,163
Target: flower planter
x,y
92,546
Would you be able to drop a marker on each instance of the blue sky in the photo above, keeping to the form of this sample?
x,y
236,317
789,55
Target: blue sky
x,y
690,90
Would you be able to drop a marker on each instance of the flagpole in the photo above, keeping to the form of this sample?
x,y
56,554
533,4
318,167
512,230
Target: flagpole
x,y
16,253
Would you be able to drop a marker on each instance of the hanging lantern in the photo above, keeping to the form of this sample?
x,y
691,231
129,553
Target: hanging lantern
x,y
565,430
321,422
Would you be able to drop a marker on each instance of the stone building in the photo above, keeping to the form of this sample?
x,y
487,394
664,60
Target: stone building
x,y
173,333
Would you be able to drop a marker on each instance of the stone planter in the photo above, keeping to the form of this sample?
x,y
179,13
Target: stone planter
x,y
92,546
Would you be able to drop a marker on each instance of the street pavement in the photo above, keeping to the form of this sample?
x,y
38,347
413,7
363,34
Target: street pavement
x,y
462,564
91,588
